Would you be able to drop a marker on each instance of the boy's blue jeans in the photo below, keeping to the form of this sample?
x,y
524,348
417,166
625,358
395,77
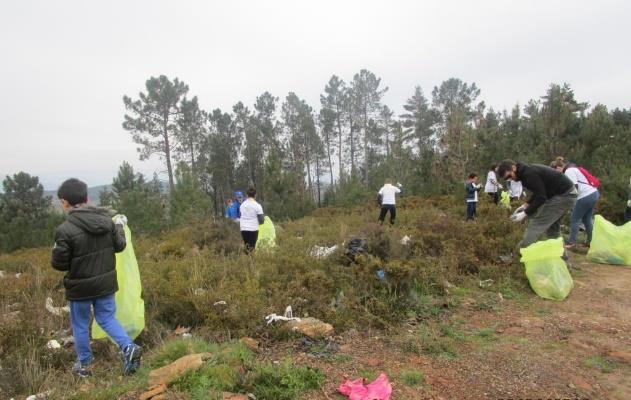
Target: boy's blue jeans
x,y
104,310
583,212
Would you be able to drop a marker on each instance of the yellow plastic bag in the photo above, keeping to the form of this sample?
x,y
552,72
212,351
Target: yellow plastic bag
x,y
130,308
611,244
505,200
267,235
546,270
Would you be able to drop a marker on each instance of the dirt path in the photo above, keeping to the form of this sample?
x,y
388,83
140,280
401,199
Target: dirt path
x,y
576,349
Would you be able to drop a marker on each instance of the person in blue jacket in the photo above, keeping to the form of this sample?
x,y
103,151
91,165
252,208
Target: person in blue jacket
x,y
233,212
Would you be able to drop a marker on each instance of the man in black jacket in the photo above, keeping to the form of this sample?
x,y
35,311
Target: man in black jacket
x,y
84,248
553,195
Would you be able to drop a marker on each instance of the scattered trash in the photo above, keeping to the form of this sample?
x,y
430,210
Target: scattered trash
x,y
546,270
380,389
354,248
220,303
181,330
322,251
312,327
153,391
405,240
53,345
381,274
179,367
39,396
187,335
273,318
18,275
506,259
58,311
1,274
199,292
485,283
67,341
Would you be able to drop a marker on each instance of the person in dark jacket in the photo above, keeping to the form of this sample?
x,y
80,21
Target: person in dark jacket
x,y
553,196
84,248
471,195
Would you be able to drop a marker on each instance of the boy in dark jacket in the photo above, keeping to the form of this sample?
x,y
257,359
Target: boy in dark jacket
x,y
553,196
84,248
471,195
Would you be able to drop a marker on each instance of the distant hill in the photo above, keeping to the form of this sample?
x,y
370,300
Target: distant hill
x,y
93,194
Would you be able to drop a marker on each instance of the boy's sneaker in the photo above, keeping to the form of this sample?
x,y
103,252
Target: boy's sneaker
x,y
131,358
82,370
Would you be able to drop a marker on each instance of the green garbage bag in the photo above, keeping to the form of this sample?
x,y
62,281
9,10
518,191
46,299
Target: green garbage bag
x,y
546,270
610,244
130,308
267,235
505,200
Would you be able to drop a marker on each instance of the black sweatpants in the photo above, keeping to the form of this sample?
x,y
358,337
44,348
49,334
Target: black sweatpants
x,y
249,238
384,210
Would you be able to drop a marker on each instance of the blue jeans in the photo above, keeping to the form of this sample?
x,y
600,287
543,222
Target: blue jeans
x,y
583,211
471,205
104,310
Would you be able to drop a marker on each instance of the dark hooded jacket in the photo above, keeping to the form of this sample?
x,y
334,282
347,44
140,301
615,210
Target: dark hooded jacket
x,y
544,183
84,247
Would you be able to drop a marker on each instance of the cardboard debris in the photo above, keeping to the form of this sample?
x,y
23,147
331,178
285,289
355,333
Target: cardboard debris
x,y
311,327
153,391
322,251
177,368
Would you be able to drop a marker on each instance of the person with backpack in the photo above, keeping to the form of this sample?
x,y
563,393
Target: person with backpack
x,y
588,194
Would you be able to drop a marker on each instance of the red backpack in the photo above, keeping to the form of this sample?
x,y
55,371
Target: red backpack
x,y
591,179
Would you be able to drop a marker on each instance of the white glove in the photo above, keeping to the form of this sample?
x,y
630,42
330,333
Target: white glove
x,y
518,216
399,184
499,185
120,220
521,208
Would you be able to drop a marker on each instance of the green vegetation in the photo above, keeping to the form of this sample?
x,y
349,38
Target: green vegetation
x,y
602,364
412,377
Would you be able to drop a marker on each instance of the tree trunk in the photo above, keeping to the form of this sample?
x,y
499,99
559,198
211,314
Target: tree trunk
x,y
167,154
339,139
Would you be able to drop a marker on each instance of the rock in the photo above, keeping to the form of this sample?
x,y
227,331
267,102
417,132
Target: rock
x,y
620,356
177,368
233,396
514,330
312,327
154,391
581,383
373,362
250,343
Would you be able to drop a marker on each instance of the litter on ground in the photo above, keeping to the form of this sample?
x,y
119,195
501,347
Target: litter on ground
x,y
380,389
322,251
58,311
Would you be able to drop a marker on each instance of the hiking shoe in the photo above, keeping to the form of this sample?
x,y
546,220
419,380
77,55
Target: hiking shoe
x,y
81,370
131,358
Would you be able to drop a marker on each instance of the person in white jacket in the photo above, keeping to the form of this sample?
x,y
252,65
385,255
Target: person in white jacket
x,y
388,202
492,186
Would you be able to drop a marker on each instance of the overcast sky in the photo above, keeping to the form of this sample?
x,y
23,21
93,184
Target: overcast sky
x,y
65,65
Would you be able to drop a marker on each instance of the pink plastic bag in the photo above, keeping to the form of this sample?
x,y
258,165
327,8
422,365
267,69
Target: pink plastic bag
x,y
380,389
